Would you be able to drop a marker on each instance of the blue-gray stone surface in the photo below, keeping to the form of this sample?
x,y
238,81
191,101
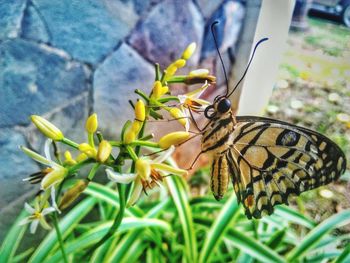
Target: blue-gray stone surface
x,y
34,79
164,33
87,30
230,17
14,166
114,83
11,13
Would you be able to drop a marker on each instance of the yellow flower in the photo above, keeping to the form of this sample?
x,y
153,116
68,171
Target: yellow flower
x,y
180,117
189,51
173,138
53,175
140,111
47,128
68,158
88,150
91,123
157,90
104,151
148,172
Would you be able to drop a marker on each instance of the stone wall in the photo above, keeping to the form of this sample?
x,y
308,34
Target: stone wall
x,y
64,59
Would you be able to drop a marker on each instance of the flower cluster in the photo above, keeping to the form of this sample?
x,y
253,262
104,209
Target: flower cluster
x,y
97,152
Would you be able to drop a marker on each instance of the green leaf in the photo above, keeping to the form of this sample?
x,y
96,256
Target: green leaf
x,y
344,256
179,195
314,236
96,234
293,216
218,228
67,225
13,239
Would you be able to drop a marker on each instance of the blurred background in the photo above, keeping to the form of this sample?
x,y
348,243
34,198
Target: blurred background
x,y
66,59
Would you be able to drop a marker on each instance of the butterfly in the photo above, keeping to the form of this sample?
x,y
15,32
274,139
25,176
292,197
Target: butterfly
x,y
267,160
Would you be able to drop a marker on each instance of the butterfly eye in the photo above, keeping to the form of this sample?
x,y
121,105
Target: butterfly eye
x,y
224,106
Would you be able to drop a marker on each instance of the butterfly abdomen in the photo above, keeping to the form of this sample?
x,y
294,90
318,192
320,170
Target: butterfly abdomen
x,y
219,176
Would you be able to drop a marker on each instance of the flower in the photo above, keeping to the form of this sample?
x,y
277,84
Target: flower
x,y
91,123
54,174
189,51
104,151
173,138
147,173
191,101
37,215
47,128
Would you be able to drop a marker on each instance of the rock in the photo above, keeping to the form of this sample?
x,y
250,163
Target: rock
x,y
33,26
14,166
70,120
164,34
87,30
11,13
142,7
208,7
230,17
35,79
114,82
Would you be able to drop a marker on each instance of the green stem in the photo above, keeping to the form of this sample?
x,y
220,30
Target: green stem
x,y
70,143
145,143
177,79
59,237
91,139
117,221
168,98
132,154
93,171
143,95
77,166
157,69
116,143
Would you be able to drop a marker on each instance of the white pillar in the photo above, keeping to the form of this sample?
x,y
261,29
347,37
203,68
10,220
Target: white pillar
x,y
273,22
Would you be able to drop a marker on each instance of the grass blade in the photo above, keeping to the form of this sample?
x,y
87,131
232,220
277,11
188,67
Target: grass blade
x,y
12,239
218,228
314,236
179,195
294,216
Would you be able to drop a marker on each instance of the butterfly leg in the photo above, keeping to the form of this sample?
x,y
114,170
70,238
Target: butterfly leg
x,y
194,162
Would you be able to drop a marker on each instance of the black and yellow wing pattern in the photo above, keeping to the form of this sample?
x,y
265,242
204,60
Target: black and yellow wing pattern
x,y
269,160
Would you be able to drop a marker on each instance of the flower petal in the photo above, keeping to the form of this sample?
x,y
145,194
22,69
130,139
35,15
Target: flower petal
x,y
136,193
28,208
44,223
37,157
169,169
34,226
120,178
24,221
54,177
165,155
47,149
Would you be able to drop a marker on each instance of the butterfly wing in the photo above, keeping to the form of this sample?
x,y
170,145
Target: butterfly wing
x,y
269,160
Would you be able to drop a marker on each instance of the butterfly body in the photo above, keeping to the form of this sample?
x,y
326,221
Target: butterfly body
x,y
267,160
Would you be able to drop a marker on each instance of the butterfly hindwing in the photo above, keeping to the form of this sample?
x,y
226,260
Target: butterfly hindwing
x,y
270,160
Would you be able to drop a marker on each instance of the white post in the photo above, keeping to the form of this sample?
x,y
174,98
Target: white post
x,y
273,22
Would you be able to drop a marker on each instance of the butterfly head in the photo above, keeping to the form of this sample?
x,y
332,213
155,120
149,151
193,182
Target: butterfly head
x,y
220,106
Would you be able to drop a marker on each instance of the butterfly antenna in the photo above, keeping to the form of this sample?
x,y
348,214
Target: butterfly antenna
x,y
250,61
217,49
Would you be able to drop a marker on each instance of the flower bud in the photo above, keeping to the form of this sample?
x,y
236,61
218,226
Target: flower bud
x,y
195,79
165,90
81,157
157,90
104,151
72,194
143,168
173,138
178,114
88,150
136,127
56,176
180,63
189,51
129,136
171,70
69,160
47,128
91,123
140,112
202,72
